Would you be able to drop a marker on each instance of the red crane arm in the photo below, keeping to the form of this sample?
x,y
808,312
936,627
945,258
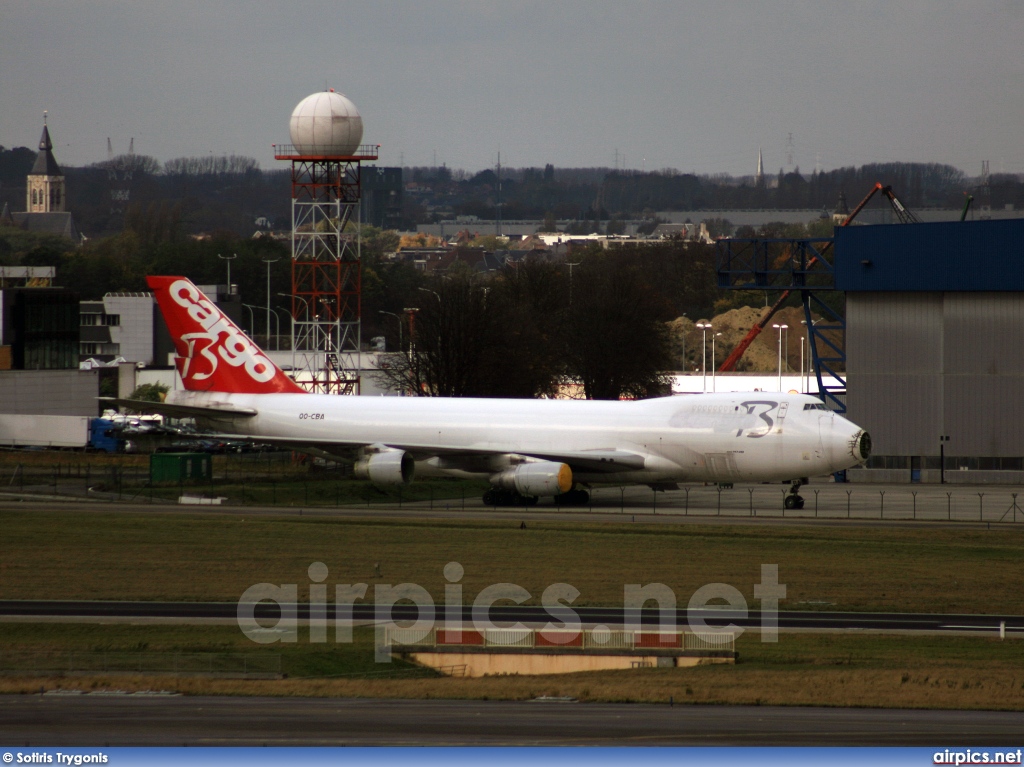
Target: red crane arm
x,y
730,362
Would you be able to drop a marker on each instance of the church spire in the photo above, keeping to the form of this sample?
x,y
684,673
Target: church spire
x,y
45,145
45,187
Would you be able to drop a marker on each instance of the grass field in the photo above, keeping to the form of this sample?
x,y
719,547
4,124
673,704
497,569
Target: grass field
x,y
802,669
164,555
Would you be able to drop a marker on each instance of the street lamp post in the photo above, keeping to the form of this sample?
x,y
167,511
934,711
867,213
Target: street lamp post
x,y
571,265
268,262
304,301
785,344
399,319
803,380
277,328
229,259
428,290
780,328
412,311
704,328
683,337
714,387
808,329
252,320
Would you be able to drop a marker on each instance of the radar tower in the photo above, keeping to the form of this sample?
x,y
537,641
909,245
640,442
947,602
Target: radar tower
x,y
326,296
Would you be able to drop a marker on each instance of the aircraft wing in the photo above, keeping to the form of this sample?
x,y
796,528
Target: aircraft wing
x,y
602,461
212,410
609,461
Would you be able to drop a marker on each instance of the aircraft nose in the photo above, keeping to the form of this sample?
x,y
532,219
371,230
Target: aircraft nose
x,y
851,445
861,446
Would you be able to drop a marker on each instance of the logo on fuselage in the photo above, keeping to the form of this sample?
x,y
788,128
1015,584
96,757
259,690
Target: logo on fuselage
x,y
235,349
760,408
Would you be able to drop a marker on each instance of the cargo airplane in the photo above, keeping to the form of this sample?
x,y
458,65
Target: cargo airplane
x,y
527,449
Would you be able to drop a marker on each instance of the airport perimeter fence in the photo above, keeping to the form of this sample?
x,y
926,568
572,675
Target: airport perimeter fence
x,y
220,664
988,504
277,479
243,478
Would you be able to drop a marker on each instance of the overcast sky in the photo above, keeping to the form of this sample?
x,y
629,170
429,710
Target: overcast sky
x,y
697,86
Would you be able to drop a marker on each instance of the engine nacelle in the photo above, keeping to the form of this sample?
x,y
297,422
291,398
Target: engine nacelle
x,y
539,478
391,467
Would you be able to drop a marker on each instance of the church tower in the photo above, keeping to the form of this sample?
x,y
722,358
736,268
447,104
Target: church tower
x,y
45,192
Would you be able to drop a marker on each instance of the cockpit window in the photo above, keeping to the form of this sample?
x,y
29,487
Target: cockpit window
x,y
815,406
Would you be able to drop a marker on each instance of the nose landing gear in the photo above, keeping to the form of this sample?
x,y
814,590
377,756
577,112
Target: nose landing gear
x,y
794,500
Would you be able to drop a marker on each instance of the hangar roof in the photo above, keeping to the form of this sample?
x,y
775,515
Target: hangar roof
x,y
949,256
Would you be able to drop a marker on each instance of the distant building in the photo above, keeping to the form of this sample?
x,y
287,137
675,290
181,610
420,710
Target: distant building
x,y
129,327
45,197
38,328
382,197
121,325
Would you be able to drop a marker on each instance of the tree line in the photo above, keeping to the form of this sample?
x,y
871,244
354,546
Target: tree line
x,y
536,324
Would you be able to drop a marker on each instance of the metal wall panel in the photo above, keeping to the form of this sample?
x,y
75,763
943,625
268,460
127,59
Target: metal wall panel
x,y
925,364
900,412
984,416
887,333
984,333
49,392
950,256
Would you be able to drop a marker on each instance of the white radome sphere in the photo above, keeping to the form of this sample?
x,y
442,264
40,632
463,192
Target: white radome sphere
x,y
326,123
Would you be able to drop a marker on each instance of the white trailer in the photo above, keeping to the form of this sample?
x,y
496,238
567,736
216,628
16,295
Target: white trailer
x,y
44,430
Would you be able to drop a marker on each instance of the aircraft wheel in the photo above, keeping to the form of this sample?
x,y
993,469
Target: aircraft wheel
x,y
490,498
790,502
573,498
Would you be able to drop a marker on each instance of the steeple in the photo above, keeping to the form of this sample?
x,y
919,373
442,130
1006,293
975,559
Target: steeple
x,y
759,178
45,184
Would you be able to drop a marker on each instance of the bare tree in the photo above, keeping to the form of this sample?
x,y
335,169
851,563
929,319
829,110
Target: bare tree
x,y
448,339
616,341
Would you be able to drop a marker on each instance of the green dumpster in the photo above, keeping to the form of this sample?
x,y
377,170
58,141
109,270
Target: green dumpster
x,y
180,467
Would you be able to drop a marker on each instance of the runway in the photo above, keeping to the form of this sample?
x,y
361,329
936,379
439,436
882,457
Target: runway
x,y
133,720
198,612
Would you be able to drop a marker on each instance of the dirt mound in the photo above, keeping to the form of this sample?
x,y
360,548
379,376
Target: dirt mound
x,y
731,327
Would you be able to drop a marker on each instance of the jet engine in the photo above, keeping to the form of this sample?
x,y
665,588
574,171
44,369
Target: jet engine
x,y
539,478
390,467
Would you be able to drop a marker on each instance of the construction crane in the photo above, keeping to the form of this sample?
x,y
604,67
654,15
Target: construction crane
x,y
902,212
741,347
967,205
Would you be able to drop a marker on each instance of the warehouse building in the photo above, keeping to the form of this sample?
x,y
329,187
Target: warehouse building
x,y
935,348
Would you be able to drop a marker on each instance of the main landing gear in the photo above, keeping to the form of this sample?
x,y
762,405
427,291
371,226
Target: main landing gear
x,y
496,496
573,498
794,500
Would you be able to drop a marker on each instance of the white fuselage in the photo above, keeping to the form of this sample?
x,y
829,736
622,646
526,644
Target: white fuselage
x,y
752,436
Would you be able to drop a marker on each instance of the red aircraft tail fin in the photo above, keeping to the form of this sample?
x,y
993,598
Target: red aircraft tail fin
x,y
213,353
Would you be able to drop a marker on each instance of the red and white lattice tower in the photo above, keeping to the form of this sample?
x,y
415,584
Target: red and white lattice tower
x,y
326,294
